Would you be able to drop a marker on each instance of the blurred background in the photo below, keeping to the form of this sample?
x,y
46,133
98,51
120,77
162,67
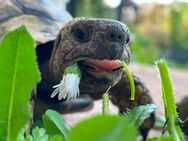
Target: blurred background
x,y
159,27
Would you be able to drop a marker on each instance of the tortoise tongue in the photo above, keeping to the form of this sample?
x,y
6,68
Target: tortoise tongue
x,y
103,64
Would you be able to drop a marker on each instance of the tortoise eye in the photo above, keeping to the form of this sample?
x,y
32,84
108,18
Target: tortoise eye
x,y
81,33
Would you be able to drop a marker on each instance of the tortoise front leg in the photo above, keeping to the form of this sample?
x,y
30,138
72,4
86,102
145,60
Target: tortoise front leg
x,y
121,97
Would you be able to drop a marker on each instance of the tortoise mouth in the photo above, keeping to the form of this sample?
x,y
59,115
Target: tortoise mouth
x,y
98,75
102,65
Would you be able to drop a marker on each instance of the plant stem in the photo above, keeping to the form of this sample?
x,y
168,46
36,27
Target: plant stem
x,y
169,102
105,102
131,80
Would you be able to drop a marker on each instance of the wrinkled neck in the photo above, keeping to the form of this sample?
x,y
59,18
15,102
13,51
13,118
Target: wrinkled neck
x,y
54,69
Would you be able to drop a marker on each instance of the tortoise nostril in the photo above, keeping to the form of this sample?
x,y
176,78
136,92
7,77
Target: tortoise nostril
x,y
116,35
119,37
111,36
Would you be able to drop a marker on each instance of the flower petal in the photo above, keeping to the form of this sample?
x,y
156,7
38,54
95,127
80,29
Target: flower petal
x,y
68,87
55,92
56,85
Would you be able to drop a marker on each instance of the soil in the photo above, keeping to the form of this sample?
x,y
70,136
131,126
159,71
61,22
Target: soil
x,y
150,76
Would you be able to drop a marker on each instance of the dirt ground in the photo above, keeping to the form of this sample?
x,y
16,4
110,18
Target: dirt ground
x,y
150,76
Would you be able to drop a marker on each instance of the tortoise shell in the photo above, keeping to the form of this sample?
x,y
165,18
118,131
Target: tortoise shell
x,y
41,17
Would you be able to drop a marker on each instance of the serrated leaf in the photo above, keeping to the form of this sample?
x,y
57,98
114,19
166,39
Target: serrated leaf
x,y
28,138
104,128
55,125
24,137
21,136
39,134
18,75
140,113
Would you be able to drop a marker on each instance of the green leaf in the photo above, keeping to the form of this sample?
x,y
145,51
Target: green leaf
x,y
39,134
18,75
56,138
21,136
104,128
28,138
161,138
140,113
55,124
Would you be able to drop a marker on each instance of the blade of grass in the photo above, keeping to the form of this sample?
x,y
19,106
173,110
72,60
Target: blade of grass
x,y
131,80
169,102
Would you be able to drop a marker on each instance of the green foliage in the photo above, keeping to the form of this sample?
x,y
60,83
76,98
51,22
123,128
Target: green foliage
x,y
164,35
19,74
144,49
140,113
169,102
94,9
21,134
56,138
38,134
104,128
55,124
178,24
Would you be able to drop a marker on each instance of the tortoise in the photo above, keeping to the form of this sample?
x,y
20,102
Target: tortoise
x,y
60,40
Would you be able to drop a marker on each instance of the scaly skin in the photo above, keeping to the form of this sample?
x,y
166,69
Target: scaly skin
x,y
182,107
97,39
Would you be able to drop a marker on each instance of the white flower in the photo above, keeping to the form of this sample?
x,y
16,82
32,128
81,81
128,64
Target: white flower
x,y
68,87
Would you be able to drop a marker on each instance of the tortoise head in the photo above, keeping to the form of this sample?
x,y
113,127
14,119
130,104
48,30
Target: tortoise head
x,y
103,42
